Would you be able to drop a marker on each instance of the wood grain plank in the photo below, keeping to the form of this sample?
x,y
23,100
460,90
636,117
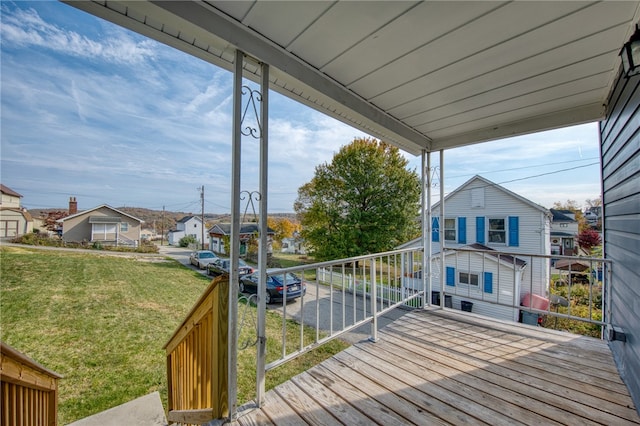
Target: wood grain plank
x,y
536,385
410,410
279,412
331,402
436,406
305,406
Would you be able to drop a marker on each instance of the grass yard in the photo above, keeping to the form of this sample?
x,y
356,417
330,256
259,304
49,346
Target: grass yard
x,y
101,321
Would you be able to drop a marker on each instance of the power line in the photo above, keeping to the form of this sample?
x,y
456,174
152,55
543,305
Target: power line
x,y
526,167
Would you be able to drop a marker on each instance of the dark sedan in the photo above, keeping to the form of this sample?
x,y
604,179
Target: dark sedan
x,y
295,287
221,266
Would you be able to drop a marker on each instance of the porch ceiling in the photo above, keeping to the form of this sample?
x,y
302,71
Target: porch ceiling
x,y
420,75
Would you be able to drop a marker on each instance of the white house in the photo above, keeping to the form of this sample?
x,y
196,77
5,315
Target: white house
x,y
188,225
482,215
564,230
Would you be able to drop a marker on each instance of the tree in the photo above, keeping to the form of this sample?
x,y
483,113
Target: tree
x,y
283,227
588,239
364,201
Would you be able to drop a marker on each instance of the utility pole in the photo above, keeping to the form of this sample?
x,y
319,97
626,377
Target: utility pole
x,y
202,212
162,228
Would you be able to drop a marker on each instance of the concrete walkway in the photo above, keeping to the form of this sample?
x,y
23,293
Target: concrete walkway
x,y
144,411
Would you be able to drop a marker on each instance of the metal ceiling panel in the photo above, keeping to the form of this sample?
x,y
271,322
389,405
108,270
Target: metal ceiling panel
x,y
421,75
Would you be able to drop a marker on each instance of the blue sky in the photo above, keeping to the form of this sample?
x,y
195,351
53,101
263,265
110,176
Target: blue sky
x,y
94,111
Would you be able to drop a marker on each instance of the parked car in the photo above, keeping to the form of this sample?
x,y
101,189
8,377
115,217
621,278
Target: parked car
x,y
202,258
222,266
295,287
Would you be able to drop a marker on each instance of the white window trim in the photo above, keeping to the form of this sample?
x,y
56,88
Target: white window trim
x,y
469,273
455,229
505,230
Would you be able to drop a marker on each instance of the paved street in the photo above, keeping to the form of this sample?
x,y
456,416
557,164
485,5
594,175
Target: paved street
x,y
330,308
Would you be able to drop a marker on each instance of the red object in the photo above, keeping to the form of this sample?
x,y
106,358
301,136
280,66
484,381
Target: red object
x,y
534,301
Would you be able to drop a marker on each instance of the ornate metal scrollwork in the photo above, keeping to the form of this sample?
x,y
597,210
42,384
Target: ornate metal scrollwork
x,y
251,196
434,174
248,318
255,97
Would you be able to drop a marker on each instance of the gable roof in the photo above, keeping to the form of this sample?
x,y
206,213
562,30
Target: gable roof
x,y
560,216
9,191
84,212
507,258
245,228
487,183
188,218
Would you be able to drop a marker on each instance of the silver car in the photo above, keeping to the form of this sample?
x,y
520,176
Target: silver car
x,y
202,258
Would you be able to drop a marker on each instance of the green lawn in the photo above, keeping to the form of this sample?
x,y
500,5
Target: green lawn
x,y
101,322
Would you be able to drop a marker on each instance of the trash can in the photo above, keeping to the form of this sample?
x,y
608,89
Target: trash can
x,y
529,318
466,306
448,303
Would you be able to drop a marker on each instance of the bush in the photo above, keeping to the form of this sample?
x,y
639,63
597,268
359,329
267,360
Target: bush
x,y
185,241
37,239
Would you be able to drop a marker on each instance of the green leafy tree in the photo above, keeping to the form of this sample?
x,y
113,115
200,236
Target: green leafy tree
x,y
364,201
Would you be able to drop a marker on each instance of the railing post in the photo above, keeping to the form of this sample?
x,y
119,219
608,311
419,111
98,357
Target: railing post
x,y
374,302
262,254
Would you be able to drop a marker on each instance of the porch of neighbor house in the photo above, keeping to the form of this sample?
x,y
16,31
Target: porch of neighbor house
x,y
448,367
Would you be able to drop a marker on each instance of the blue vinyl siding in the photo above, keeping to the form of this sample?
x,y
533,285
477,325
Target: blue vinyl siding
x,y
451,276
488,282
435,229
462,230
480,229
514,239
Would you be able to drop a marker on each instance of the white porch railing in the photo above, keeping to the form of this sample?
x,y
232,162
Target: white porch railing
x,y
331,307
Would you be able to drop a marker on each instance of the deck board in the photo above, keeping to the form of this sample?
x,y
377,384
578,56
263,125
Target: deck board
x,y
446,367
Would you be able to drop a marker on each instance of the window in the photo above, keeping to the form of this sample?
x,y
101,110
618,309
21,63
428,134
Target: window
x,y
497,232
124,227
468,278
450,229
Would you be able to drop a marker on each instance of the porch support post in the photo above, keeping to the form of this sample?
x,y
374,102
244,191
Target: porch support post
x,y
426,267
443,267
234,252
423,223
262,252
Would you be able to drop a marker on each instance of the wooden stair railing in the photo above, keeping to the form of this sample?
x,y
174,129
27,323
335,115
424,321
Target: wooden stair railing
x,y
29,391
197,359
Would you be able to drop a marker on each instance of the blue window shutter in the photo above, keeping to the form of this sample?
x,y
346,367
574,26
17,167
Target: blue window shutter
x,y
488,282
480,229
451,276
462,230
514,240
435,229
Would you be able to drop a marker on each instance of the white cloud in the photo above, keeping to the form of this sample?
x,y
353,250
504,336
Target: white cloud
x,y
25,28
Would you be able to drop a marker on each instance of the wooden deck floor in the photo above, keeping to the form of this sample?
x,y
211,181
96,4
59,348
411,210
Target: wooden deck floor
x,y
434,367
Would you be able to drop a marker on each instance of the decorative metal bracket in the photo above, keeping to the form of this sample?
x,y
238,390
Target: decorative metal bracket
x,y
248,319
433,174
251,196
255,97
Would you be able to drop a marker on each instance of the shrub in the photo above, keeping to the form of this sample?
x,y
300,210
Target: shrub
x,y
185,241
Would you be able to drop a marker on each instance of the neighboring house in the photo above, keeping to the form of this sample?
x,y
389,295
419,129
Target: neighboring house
x,y
14,219
188,225
293,245
482,215
221,232
102,224
564,231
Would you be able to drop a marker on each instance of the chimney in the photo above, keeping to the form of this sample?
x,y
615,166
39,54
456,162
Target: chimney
x,y
73,205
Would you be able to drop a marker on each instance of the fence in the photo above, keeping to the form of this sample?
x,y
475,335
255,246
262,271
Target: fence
x,y
29,390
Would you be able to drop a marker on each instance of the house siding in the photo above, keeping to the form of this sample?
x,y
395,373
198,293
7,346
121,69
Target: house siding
x,y
620,152
78,228
534,229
